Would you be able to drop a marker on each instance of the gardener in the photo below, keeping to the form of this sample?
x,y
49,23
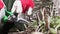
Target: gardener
x,y
4,27
2,11
21,7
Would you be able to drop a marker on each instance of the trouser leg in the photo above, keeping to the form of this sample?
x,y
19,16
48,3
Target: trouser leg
x,y
2,14
6,28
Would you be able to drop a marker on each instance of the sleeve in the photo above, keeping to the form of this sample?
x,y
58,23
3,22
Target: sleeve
x,y
31,6
19,7
14,7
31,3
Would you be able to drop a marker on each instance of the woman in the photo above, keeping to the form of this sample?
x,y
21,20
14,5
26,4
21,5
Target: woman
x,y
2,11
21,7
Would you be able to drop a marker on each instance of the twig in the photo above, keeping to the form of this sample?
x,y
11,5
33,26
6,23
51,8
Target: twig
x,y
37,28
57,28
40,28
38,18
46,19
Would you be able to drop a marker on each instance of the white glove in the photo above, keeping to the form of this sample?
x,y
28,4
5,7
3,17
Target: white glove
x,y
29,11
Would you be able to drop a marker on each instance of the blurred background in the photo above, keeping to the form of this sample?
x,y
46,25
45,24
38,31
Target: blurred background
x,y
45,17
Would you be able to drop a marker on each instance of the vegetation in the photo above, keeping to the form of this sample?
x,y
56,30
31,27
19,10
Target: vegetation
x,y
44,19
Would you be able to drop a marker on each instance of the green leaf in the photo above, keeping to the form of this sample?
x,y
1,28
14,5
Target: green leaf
x,y
52,31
